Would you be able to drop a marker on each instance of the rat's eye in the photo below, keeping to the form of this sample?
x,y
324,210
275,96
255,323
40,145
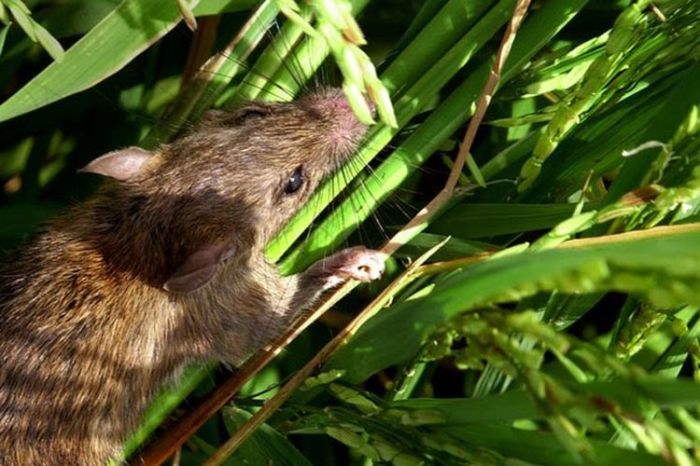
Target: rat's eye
x,y
252,114
296,180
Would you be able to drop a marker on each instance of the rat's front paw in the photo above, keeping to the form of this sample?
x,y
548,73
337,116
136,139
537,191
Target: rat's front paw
x,y
358,263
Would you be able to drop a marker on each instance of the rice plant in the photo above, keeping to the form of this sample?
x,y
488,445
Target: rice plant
x,y
542,297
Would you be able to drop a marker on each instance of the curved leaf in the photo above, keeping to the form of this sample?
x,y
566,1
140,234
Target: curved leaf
x,y
121,36
624,265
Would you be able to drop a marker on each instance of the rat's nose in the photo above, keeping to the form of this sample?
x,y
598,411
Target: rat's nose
x,y
338,103
340,127
332,100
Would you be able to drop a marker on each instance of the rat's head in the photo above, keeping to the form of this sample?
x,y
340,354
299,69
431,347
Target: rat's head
x,y
240,175
270,156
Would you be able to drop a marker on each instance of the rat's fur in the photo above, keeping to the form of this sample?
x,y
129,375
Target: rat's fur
x,y
88,333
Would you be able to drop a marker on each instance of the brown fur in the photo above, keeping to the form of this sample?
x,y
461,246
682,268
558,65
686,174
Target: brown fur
x,y
87,332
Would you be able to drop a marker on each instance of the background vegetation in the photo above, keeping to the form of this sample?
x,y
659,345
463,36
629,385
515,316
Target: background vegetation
x,y
559,323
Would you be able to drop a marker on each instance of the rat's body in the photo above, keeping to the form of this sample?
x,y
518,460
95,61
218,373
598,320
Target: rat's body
x,y
162,268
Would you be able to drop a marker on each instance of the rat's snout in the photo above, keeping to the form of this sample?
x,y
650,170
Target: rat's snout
x,y
333,99
344,129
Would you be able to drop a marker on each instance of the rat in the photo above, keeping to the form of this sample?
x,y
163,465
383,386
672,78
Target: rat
x,y
161,268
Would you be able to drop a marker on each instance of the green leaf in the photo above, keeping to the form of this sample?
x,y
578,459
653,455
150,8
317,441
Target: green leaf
x,y
670,362
187,15
34,30
621,265
509,406
4,16
453,249
265,446
216,7
21,14
123,34
517,404
544,448
49,42
76,17
676,107
116,40
487,220
3,36
598,144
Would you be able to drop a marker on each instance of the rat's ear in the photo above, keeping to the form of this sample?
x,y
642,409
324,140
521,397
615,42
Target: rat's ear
x,y
198,268
120,164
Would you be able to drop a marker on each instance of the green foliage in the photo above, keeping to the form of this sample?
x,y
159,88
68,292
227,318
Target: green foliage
x,y
561,323
17,10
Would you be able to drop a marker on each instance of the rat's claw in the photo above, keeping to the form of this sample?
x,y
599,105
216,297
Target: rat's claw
x,y
359,263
